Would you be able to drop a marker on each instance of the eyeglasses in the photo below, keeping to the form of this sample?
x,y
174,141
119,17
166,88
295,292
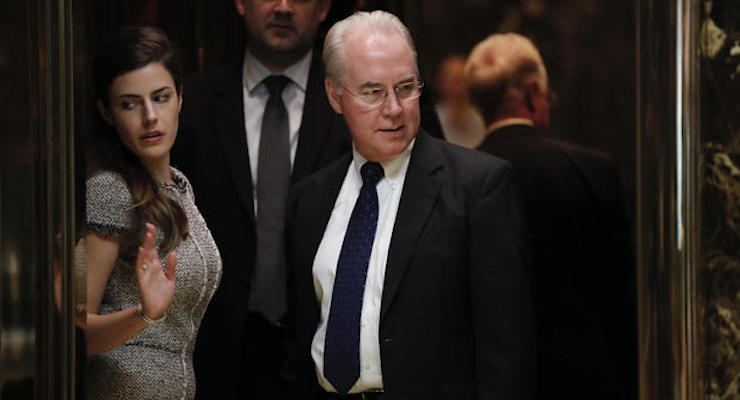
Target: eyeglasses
x,y
374,96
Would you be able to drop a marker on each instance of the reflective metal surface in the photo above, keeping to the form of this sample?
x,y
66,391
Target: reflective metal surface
x,y
667,199
37,227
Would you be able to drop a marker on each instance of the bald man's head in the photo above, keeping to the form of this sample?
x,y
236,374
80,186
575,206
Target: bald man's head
x,y
508,79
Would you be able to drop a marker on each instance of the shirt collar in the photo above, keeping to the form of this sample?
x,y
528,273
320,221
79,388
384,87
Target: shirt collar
x,y
393,168
508,122
254,72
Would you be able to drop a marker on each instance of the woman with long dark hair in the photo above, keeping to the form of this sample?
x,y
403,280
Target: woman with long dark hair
x,y
152,263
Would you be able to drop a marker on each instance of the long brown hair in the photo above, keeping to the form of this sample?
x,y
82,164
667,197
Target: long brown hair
x,y
127,50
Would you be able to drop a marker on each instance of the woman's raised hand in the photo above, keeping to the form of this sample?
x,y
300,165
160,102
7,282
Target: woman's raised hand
x,y
156,284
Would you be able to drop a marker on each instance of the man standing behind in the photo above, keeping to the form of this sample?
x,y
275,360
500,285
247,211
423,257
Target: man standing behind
x,y
407,255
247,131
582,269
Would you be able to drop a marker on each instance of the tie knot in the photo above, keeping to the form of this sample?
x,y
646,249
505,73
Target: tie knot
x,y
275,84
372,173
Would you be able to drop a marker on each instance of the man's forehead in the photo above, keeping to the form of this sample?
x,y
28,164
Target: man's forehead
x,y
369,37
378,57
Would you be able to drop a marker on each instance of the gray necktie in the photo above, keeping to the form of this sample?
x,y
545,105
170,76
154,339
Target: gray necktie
x,y
273,179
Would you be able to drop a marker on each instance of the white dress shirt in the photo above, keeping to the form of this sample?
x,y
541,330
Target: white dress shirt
x,y
255,96
325,265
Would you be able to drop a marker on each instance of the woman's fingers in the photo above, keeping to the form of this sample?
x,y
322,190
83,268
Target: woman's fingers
x,y
170,266
150,243
151,232
147,251
141,265
156,281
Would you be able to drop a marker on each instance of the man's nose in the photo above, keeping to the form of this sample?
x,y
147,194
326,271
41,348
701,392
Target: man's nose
x,y
391,104
284,6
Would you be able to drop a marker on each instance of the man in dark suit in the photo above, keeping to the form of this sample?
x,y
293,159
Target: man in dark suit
x,y
221,148
582,269
407,255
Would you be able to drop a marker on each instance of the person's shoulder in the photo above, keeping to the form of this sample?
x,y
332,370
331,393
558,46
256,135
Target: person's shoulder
x,y
527,148
511,139
182,183
107,181
207,80
200,93
475,173
314,188
467,170
323,175
181,180
467,159
108,203
580,150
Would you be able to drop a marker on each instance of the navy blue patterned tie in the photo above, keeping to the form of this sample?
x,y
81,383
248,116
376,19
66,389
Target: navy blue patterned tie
x,y
342,345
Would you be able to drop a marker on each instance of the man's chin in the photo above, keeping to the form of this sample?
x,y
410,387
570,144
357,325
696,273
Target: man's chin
x,y
282,44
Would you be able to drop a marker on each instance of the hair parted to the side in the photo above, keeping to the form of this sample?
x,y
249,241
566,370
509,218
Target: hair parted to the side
x,y
499,68
126,50
375,21
131,48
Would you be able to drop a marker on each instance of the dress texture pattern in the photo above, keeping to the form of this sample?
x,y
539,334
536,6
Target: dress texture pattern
x,y
158,362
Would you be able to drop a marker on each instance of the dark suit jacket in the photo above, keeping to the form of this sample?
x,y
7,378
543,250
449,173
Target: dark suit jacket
x,y
455,310
583,270
211,149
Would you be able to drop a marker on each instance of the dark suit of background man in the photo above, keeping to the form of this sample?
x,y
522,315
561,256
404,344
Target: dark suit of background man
x,y
239,352
413,286
582,265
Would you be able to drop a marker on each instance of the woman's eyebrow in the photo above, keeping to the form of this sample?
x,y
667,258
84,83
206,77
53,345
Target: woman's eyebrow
x,y
156,91
162,89
128,95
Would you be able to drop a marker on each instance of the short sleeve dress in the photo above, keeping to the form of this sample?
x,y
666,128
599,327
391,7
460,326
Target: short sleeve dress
x,y
158,362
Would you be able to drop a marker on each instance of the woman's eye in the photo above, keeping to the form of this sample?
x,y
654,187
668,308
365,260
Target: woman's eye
x,y
127,105
162,98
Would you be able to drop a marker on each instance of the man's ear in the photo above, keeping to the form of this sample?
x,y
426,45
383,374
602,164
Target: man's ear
x,y
332,92
534,98
530,96
104,112
538,105
240,7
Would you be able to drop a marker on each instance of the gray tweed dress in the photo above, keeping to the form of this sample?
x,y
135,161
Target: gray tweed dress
x,y
158,362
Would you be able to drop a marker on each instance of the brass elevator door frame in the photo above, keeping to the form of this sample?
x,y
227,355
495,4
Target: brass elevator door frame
x,y
38,336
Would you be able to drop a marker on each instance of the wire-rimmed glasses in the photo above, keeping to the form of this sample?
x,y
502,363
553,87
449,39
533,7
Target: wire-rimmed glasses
x,y
374,95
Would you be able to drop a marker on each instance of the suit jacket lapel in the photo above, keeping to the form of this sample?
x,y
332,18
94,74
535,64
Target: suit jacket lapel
x,y
321,203
421,187
327,189
317,115
228,110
